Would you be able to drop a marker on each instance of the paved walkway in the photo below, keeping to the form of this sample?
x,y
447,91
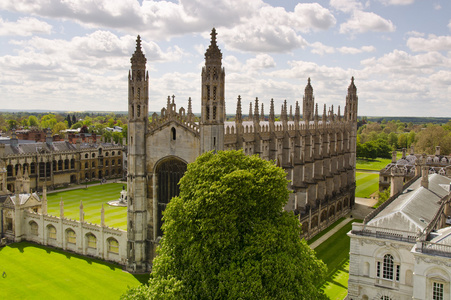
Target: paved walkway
x,y
331,232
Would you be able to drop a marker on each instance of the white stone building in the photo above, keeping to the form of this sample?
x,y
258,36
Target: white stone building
x,y
403,249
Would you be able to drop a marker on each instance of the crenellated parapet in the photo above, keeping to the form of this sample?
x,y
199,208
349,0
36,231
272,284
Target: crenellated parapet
x,y
170,114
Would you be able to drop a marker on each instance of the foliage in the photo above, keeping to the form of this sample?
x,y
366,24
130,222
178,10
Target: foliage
x,y
382,197
12,124
227,237
432,136
58,128
48,121
33,121
373,149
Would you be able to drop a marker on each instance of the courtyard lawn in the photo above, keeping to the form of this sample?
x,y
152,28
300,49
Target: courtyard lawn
x,y
334,252
374,164
367,184
93,197
37,272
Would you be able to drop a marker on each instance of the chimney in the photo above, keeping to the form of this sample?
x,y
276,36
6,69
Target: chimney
x,y
48,137
404,150
393,157
437,150
13,140
424,177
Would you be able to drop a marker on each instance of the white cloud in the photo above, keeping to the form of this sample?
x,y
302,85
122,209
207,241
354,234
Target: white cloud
x,y
312,16
415,34
397,2
261,61
24,27
346,6
361,22
432,43
353,50
321,49
449,25
437,6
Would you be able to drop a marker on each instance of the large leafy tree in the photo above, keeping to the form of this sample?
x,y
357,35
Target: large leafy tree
x,y
227,237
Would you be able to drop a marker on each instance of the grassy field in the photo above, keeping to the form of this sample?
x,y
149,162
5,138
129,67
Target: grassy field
x,y
367,184
334,252
37,272
374,165
93,197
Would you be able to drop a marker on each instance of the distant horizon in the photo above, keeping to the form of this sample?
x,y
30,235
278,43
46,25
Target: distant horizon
x,y
196,113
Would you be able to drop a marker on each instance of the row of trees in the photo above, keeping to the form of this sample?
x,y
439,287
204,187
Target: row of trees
x,y
381,138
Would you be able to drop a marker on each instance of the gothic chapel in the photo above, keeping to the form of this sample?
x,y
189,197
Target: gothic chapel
x,y
318,152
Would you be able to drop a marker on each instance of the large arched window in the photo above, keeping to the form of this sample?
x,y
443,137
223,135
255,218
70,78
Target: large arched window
x,y
113,245
91,240
168,174
51,232
71,237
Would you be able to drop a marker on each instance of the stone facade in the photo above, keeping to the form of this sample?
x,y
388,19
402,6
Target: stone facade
x,y
403,249
317,152
24,217
57,164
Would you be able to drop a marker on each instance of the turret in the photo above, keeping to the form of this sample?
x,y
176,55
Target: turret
x,y
308,102
351,102
213,99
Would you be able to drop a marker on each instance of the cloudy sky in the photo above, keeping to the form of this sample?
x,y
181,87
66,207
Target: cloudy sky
x,y
75,54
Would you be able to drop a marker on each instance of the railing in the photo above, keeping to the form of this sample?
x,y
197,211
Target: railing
x,y
434,249
384,233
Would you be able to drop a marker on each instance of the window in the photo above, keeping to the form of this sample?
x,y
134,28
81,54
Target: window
x,y
118,161
106,153
113,245
86,155
437,291
70,236
51,232
113,153
92,241
86,165
93,164
34,228
174,136
66,164
106,163
387,270
113,162
385,298
9,170
72,163
93,155
118,152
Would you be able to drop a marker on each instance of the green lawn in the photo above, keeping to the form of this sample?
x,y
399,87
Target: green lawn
x,y
93,197
367,184
375,165
37,272
334,252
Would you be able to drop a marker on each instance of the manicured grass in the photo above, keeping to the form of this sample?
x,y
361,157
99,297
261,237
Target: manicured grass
x,y
37,272
367,184
309,242
334,252
375,165
93,197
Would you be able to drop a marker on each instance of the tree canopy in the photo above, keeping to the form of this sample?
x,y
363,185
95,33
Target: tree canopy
x,y
227,237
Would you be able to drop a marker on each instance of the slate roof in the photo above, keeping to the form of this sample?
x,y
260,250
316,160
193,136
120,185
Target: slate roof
x,y
415,208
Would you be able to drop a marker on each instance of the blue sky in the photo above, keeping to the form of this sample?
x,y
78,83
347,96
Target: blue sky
x,y
75,54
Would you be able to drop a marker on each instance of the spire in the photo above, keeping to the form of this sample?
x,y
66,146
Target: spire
x,y
213,51
308,101
190,107
324,115
291,113
250,112
272,117
316,112
352,89
262,113
256,114
297,112
238,117
138,57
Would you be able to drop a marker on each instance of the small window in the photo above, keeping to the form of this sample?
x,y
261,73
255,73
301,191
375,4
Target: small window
x,y
34,228
93,164
93,155
86,165
173,132
113,153
106,153
118,152
86,155
437,291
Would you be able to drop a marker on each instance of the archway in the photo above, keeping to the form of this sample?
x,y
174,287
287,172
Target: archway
x,y
168,174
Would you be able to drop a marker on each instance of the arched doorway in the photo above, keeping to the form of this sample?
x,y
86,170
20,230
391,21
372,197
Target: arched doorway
x,y
168,174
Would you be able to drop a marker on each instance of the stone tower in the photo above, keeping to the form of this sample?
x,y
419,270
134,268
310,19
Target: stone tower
x,y
213,102
138,102
308,102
